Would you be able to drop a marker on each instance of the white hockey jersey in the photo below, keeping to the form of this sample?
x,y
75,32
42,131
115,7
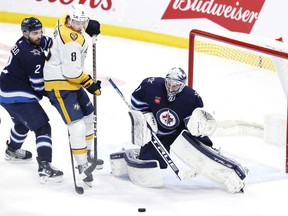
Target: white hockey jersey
x,y
64,70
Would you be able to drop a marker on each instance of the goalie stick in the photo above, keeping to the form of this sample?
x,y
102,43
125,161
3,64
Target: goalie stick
x,y
157,143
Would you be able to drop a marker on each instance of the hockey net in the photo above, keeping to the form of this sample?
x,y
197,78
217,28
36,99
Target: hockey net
x,y
237,72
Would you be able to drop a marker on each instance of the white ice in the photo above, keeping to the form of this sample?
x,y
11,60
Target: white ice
x,y
128,62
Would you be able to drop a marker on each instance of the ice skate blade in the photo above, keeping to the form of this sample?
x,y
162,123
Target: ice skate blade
x,y
89,184
7,158
99,167
46,179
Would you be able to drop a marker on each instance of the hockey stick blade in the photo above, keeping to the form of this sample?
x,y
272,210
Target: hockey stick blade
x,y
79,189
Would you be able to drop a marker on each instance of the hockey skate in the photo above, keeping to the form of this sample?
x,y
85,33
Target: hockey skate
x,y
17,155
90,158
47,173
85,172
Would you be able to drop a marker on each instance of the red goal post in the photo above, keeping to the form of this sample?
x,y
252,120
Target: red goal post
x,y
241,48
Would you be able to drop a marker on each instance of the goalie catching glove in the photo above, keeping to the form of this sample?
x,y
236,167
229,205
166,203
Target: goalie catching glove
x,y
91,86
201,123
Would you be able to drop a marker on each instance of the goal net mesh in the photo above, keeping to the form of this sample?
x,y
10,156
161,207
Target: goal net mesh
x,y
245,78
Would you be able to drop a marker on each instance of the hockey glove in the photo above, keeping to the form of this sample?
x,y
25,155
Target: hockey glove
x,y
201,123
91,86
46,44
93,28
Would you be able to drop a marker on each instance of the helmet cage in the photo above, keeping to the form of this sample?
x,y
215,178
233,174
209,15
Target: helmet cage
x,y
173,87
175,81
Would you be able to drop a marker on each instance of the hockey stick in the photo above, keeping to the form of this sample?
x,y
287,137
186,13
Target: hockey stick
x,y
94,39
156,142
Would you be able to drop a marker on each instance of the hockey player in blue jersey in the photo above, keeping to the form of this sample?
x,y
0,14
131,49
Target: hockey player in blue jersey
x,y
171,102
165,112
22,87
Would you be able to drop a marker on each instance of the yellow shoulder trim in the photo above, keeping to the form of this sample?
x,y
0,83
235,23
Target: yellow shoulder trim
x,y
67,34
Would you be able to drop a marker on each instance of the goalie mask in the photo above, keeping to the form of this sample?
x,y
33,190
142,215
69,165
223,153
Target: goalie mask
x,y
175,81
77,17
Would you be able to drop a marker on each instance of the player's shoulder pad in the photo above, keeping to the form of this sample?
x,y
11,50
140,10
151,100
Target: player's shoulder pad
x,y
25,50
152,80
67,34
190,91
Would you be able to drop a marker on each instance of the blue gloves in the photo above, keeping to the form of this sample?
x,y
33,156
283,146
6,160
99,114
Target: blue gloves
x,y
46,43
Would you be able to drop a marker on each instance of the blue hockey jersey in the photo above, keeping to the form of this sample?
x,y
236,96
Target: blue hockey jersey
x,y
151,96
21,80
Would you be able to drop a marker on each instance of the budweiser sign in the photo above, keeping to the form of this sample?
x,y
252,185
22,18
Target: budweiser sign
x,y
233,15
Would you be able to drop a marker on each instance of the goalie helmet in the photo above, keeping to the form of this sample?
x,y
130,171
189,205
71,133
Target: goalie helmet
x,y
175,81
78,12
31,24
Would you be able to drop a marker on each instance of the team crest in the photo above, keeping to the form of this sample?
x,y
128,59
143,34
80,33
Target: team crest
x,y
168,118
36,52
76,107
74,36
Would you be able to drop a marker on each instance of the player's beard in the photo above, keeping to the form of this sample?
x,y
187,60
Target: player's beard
x,y
34,42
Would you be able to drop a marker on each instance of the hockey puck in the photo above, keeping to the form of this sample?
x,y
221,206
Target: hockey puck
x,y
141,209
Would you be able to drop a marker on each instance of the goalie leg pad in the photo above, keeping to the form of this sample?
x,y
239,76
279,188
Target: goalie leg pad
x,y
118,164
145,173
209,163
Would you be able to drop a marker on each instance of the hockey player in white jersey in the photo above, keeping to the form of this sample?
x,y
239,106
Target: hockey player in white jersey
x,y
66,81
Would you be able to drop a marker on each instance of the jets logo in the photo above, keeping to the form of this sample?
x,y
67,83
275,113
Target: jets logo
x,y
167,118
36,52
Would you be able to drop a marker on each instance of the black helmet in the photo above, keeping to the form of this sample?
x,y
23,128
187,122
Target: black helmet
x,y
31,24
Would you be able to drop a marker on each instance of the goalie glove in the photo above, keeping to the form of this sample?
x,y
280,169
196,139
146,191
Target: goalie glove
x,y
91,86
201,123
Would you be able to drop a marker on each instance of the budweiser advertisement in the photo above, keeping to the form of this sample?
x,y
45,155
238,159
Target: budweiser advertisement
x,y
234,15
